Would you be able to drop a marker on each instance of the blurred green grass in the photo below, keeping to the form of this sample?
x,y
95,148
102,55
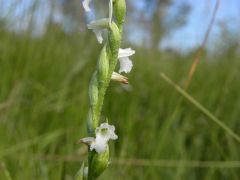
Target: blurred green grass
x,y
44,103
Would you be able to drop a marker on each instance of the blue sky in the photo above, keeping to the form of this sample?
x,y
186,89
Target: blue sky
x,y
187,37
192,34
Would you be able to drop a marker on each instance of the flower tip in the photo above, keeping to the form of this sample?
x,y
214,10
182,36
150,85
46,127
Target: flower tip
x,y
125,81
114,137
119,78
85,4
86,140
125,63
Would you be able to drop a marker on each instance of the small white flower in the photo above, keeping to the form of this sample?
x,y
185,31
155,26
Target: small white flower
x,y
120,78
125,63
98,26
85,4
104,133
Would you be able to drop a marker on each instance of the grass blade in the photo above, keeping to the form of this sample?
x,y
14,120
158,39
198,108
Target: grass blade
x,y
201,107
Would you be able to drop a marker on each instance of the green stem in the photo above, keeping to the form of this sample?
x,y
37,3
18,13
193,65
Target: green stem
x,y
106,65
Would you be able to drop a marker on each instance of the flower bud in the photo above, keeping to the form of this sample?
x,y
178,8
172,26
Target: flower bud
x,y
99,24
120,11
103,66
93,90
90,124
114,39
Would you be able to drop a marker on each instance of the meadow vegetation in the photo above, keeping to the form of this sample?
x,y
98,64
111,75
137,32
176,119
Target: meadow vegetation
x,y
44,103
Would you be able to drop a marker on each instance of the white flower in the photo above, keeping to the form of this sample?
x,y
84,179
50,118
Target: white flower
x,y
103,134
85,4
120,78
125,63
98,26
106,131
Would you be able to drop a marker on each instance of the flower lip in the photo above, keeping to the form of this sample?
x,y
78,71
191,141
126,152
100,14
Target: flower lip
x,y
98,34
125,63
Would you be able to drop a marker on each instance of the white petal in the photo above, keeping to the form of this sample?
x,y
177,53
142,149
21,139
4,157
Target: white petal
x,y
107,126
98,34
85,4
98,27
125,65
100,145
114,136
125,52
104,133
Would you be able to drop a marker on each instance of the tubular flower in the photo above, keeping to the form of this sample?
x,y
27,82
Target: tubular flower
x,y
120,78
125,63
104,133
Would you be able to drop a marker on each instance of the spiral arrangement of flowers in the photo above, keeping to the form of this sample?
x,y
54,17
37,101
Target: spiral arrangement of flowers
x,y
111,53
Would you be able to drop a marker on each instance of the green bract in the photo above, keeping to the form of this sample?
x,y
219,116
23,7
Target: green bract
x,y
98,163
103,66
120,11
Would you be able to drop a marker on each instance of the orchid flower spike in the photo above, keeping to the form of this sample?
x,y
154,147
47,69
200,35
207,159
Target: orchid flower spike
x,y
104,133
125,63
85,4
